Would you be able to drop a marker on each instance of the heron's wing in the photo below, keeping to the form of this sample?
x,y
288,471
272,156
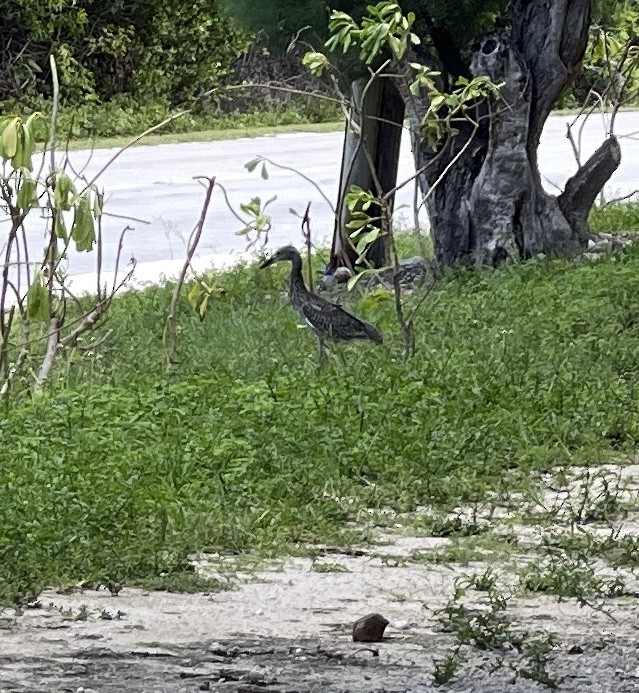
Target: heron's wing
x,y
333,321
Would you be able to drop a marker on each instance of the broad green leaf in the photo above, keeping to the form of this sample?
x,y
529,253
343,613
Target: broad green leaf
x,y
375,298
27,196
203,306
60,228
38,300
9,139
83,228
97,209
353,280
65,191
366,239
193,293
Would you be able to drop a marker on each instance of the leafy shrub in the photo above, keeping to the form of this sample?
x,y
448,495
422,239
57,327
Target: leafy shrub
x,y
146,49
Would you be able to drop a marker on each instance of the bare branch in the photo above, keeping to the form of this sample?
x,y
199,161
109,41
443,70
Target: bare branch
x,y
170,332
54,111
121,151
582,189
89,321
306,232
53,337
301,175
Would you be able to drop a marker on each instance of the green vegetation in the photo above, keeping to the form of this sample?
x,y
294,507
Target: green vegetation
x,y
329,567
489,628
615,217
148,52
114,124
124,69
281,19
121,470
228,133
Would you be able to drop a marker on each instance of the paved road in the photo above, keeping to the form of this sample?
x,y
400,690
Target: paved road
x,y
156,184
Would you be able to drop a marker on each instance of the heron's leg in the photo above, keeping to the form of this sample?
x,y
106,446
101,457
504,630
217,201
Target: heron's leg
x,y
341,356
321,351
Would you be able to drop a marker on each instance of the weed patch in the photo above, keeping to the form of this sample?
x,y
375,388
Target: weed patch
x,y
121,470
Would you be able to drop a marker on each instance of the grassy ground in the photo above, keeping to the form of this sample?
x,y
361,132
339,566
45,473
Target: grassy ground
x,y
227,133
615,217
123,469
112,125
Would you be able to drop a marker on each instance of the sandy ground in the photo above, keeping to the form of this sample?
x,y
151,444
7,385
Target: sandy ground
x,y
287,628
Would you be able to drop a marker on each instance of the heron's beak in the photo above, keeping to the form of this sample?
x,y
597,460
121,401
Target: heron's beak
x,y
267,263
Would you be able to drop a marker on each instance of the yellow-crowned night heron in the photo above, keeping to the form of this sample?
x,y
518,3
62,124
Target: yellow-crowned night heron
x,y
327,320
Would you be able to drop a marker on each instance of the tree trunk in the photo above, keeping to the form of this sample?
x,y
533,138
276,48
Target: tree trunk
x,y
370,160
489,204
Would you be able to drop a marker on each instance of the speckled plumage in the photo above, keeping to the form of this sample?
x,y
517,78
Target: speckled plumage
x,y
328,320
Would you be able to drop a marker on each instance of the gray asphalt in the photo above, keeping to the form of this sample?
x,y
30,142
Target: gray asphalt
x,y
155,184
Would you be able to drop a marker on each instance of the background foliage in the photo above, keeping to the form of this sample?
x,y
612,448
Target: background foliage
x,y
149,50
124,65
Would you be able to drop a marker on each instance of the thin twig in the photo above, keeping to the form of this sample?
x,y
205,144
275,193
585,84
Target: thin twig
x,y
121,151
301,175
53,338
51,145
306,232
170,333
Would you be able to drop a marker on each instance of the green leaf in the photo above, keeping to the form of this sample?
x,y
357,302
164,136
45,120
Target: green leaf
x,y
203,306
60,228
366,239
251,165
83,228
193,294
9,139
27,196
353,280
376,298
97,209
38,300
264,172
65,192
357,223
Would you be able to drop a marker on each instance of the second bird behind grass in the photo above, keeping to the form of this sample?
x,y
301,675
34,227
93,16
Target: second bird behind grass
x,y
327,320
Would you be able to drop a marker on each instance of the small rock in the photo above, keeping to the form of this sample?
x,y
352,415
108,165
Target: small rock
x,y
370,628
411,271
576,649
601,246
401,625
342,275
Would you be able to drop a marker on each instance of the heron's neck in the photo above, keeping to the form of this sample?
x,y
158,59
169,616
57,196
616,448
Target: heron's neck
x,y
297,279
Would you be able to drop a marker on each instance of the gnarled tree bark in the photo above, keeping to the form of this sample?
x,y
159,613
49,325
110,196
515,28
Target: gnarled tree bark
x,y
370,159
492,206
486,202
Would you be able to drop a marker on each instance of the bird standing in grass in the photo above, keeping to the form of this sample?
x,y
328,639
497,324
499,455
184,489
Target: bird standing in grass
x,y
327,320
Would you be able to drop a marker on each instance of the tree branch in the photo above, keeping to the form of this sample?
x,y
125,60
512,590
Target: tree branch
x,y
49,357
582,189
553,37
170,333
